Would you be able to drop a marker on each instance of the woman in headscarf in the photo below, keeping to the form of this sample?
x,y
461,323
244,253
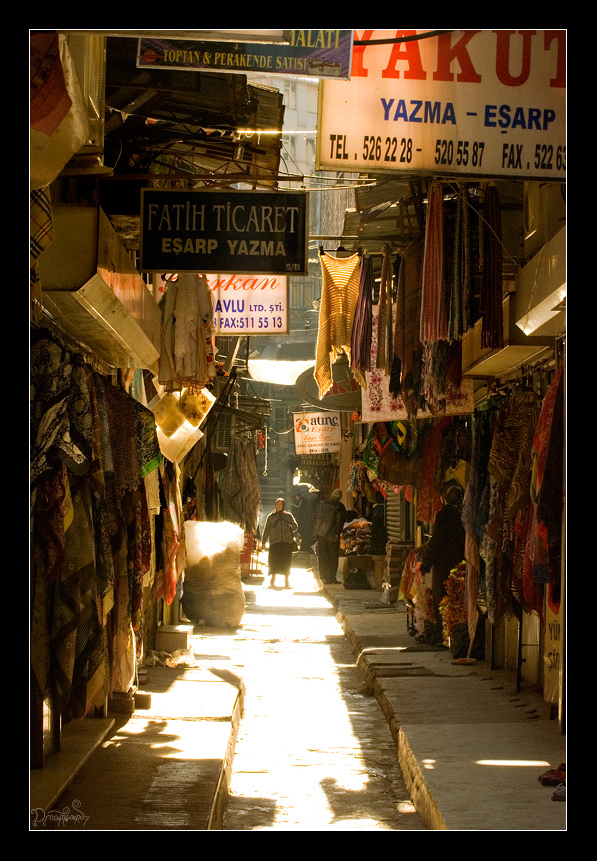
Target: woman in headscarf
x,y
279,530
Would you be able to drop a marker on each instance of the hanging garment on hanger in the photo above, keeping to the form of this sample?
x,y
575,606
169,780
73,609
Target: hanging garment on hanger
x,y
362,330
187,338
384,356
433,301
339,296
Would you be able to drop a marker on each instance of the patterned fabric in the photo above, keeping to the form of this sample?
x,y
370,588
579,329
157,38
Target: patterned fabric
x,y
240,488
339,297
60,420
379,404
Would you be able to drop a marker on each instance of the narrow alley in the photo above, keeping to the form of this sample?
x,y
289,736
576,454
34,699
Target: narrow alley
x,y
314,750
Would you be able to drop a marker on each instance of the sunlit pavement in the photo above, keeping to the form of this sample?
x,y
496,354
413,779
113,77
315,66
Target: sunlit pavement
x,y
348,724
314,751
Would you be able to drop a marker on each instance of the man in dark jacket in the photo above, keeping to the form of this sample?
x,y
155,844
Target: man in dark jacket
x,y
327,528
445,549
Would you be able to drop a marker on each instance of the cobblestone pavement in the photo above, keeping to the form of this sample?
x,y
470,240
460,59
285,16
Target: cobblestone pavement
x,y
314,751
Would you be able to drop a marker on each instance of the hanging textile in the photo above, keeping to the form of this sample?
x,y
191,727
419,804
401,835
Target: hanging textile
x,y
173,545
408,350
492,332
378,404
429,500
41,235
460,296
240,489
339,297
509,468
472,508
362,326
550,495
187,339
384,353
433,321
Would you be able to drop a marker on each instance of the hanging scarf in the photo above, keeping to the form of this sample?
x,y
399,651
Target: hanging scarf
x,y
362,331
433,324
384,325
492,333
461,281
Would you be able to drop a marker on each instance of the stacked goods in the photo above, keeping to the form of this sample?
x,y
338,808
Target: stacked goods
x,y
213,591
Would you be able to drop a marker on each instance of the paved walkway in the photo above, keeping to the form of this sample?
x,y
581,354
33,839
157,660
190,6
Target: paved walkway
x,y
336,696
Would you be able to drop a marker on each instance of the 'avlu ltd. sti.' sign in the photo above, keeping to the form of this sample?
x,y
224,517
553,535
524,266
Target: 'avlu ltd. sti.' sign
x,y
186,230
317,433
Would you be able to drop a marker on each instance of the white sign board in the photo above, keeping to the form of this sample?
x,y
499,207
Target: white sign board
x,y
486,103
249,304
317,433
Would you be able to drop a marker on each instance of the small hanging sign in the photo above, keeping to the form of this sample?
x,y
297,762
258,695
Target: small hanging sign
x,y
317,433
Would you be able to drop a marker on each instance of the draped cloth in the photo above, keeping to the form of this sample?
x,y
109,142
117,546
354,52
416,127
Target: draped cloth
x,y
433,320
492,332
408,350
339,297
187,338
550,495
460,296
384,354
509,467
240,490
472,508
362,331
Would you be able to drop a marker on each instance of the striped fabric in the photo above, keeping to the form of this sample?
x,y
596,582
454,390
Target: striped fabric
x,y
339,297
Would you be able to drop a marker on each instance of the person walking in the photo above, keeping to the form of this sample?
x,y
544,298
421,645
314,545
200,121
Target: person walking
x,y
327,529
445,549
279,530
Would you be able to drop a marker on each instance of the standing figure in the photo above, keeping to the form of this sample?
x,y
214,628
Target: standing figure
x,y
445,549
327,529
279,530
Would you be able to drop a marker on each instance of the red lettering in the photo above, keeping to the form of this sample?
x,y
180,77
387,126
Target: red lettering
x,y
502,60
358,70
408,51
447,53
558,36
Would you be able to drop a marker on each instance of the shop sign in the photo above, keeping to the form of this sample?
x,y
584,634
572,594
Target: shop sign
x,y
552,658
310,53
187,230
478,103
249,304
317,433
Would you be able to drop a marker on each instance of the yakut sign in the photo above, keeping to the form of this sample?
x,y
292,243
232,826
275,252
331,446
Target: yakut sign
x,y
488,103
224,231
317,433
